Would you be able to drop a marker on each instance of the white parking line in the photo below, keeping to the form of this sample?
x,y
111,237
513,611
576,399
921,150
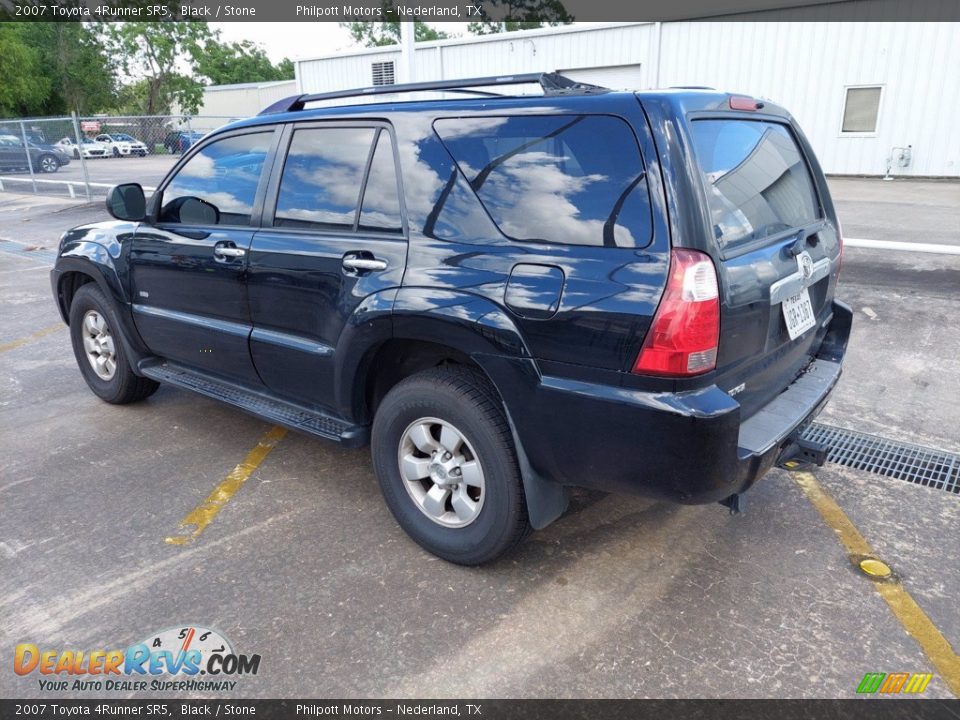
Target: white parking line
x,y
900,245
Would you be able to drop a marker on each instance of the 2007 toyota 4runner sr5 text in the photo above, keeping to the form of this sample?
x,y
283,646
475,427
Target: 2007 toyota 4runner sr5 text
x,y
504,295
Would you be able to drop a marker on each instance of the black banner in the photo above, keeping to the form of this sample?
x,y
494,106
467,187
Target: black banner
x,y
885,709
473,10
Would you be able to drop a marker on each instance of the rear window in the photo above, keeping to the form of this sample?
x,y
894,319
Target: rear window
x,y
757,181
573,179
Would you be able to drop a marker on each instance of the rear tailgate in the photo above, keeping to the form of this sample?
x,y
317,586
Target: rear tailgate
x,y
778,253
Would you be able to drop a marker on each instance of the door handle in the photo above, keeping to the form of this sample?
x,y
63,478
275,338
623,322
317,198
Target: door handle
x,y
229,252
355,262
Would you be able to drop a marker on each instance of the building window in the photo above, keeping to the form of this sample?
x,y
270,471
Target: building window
x,y
382,73
861,108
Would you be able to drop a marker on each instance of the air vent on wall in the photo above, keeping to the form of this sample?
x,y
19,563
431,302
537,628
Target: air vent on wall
x,y
382,72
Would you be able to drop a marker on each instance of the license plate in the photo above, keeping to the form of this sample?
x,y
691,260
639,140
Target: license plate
x,y
798,312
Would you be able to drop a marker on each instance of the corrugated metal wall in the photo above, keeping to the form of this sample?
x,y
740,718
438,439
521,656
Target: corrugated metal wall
x,y
615,45
243,100
806,66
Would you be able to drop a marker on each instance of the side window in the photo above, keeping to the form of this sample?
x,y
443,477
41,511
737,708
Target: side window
x,y
322,177
218,185
572,179
380,210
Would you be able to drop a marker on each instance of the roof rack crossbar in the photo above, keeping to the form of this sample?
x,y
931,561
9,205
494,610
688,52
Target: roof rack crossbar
x,y
552,84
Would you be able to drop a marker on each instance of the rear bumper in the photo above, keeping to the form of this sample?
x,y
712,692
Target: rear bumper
x,y
690,447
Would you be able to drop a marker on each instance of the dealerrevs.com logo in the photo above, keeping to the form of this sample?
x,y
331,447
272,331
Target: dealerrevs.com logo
x,y
894,683
188,658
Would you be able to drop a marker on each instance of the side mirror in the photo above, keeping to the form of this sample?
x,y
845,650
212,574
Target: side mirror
x,y
127,202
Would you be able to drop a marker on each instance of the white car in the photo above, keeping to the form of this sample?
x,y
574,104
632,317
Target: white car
x,y
121,144
88,147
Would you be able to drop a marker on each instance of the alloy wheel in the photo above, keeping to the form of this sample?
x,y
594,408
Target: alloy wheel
x,y
441,472
98,345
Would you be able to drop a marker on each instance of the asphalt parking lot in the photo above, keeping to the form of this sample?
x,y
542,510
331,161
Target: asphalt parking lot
x,y
622,597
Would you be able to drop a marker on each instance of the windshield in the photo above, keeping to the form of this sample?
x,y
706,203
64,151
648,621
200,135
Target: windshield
x,y
757,181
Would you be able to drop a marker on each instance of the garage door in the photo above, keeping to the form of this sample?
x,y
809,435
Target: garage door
x,y
615,77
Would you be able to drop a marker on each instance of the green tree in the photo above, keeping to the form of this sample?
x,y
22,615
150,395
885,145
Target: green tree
x,y
379,34
225,63
520,15
81,76
286,70
160,60
23,90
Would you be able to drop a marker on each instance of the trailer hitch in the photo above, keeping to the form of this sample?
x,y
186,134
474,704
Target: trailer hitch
x,y
800,452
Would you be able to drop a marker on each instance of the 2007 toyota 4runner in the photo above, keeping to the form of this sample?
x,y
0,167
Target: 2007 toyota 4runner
x,y
505,295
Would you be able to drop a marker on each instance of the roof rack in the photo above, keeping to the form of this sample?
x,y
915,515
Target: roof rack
x,y
552,84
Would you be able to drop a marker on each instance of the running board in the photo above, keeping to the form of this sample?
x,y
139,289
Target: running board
x,y
267,407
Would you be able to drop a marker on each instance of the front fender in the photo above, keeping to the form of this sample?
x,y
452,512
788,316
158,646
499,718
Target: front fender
x,y
96,252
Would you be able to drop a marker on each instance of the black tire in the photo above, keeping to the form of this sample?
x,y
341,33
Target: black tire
x,y
464,398
124,386
116,153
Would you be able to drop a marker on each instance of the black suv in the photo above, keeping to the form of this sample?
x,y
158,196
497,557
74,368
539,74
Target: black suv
x,y
505,295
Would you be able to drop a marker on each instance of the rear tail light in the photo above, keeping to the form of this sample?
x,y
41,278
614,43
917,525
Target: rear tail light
x,y
683,338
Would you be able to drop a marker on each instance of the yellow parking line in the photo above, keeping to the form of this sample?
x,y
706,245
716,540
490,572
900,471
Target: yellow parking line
x,y
202,515
14,344
901,603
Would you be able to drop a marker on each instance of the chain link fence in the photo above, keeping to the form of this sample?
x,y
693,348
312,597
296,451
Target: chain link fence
x,y
83,157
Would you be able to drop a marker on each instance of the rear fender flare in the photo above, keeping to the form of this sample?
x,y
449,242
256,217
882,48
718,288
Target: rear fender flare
x,y
476,327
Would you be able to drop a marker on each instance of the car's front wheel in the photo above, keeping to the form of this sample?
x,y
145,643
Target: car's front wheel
x,y
444,457
49,164
116,153
99,350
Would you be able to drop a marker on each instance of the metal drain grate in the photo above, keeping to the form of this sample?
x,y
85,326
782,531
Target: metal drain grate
x,y
914,463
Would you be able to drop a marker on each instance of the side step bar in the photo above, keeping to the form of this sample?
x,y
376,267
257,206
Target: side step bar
x,y
291,415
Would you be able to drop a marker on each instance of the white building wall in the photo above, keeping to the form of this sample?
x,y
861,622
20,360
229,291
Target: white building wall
x,y
342,72
804,66
532,51
243,100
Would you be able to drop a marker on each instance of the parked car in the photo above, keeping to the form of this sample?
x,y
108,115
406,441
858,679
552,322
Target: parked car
x,y
43,158
90,149
121,144
507,296
179,142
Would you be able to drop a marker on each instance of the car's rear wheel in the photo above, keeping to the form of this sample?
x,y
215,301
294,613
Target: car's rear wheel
x,y
76,154
99,350
116,153
444,457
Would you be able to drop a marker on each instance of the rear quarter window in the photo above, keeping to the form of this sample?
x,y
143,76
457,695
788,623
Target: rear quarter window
x,y
571,179
757,181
